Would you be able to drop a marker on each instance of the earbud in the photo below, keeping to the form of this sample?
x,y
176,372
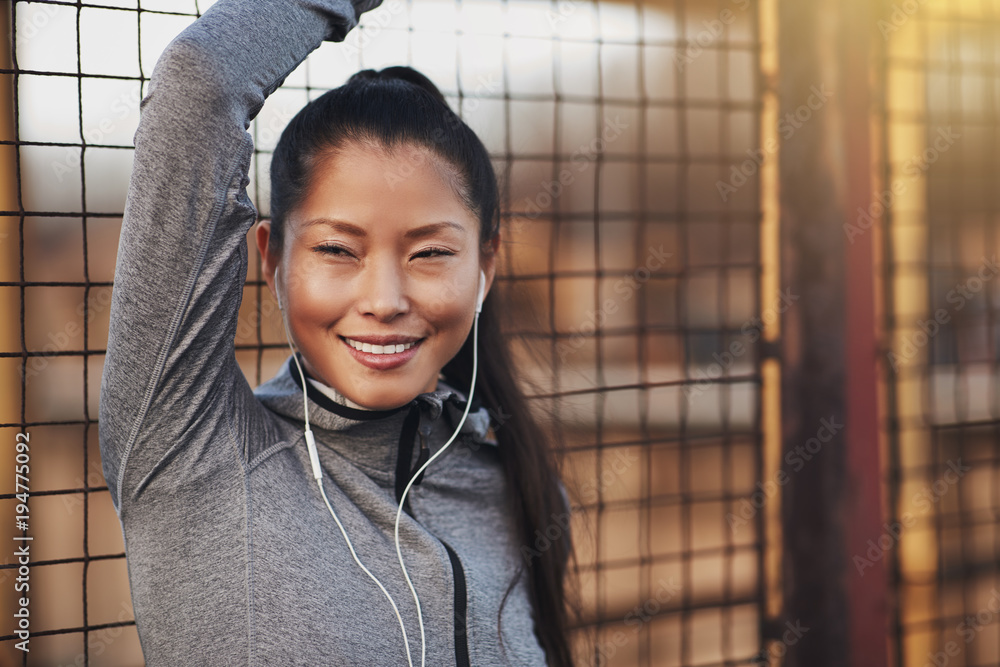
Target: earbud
x,y
482,287
277,290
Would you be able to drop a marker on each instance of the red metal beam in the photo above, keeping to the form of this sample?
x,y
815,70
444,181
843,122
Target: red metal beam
x,y
867,590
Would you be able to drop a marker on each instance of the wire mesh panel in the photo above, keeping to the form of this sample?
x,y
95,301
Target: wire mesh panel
x,y
626,137
942,112
75,74
647,269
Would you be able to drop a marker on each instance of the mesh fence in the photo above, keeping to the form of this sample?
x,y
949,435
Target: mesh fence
x,y
636,277
941,116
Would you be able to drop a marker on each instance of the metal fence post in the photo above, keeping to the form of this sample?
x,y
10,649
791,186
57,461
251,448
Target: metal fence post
x,y
833,502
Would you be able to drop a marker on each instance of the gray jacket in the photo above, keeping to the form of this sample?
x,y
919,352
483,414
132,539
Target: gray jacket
x,y
233,558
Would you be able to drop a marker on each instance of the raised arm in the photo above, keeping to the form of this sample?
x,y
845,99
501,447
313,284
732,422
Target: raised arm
x,y
170,371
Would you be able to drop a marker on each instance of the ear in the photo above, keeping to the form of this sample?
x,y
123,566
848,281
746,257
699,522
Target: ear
x,y
488,263
268,265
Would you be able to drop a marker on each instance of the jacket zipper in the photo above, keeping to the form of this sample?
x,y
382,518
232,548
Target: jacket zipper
x,y
425,453
461,601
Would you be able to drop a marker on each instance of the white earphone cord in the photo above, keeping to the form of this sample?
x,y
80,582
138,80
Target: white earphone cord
x,y
318,471
318,475
402,499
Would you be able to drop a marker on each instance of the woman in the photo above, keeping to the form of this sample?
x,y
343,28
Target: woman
x,y
273,526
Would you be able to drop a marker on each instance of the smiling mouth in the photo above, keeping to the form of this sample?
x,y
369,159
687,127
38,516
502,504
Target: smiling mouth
x,y
379,349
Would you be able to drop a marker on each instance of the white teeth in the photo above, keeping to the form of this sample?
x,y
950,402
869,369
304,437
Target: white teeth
x,y
379,349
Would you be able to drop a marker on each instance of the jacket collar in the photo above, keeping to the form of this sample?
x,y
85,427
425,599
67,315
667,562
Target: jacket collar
x,y
379,439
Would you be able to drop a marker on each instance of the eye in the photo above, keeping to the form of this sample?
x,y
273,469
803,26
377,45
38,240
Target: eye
x,y
434,252
334,250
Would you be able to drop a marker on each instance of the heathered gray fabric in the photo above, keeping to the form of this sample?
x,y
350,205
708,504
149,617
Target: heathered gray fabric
x,y
233,558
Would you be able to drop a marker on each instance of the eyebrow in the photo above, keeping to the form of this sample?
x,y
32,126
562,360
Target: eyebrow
x,y
416,233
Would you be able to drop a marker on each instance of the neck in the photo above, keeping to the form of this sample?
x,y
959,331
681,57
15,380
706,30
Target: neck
x,y
335,395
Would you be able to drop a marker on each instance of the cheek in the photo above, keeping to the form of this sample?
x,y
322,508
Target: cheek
x,y
449,303
316,303
453,319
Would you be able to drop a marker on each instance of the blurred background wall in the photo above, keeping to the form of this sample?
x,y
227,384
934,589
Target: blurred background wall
x,y
941,146
749,244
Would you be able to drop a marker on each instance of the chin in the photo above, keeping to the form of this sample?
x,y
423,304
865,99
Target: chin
x,y
379,391
384,400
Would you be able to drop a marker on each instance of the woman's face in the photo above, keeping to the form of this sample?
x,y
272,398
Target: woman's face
x,y
382,252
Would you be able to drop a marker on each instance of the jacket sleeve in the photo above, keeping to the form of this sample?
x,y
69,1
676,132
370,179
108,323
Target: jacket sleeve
x,y
171,389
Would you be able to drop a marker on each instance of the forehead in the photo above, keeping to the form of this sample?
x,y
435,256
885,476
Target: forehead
x,y
385,189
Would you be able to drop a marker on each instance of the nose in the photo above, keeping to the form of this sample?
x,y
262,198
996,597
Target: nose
x,y
383,292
